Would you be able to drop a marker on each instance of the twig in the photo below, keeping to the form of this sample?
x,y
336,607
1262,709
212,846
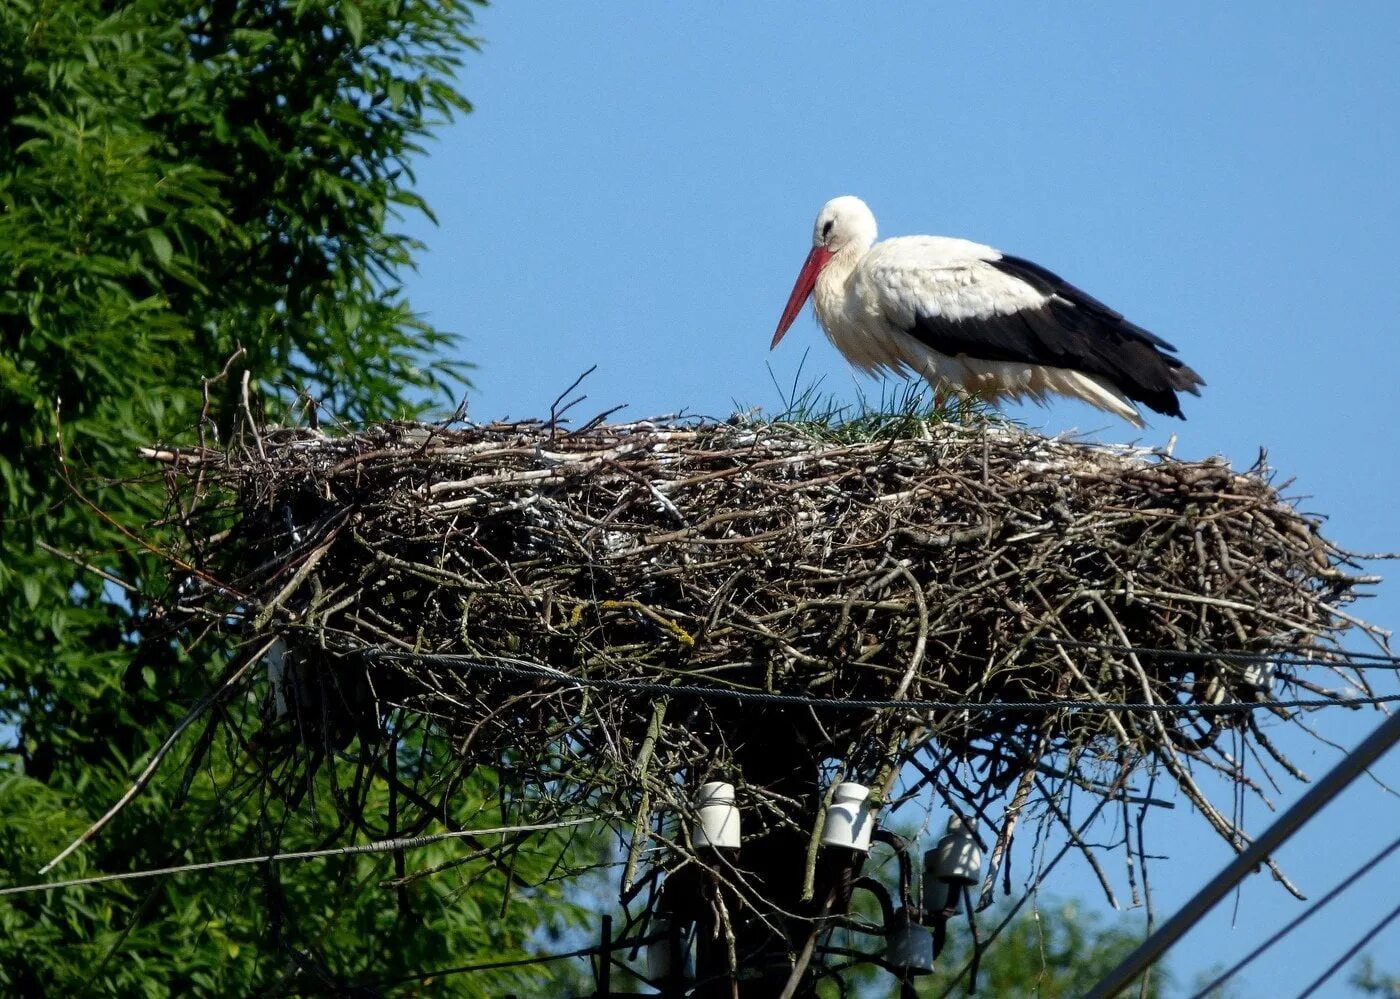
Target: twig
x,y
231,676
384,846
555,412
642,822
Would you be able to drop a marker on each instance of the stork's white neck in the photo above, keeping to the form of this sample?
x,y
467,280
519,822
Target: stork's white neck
x,y
830,295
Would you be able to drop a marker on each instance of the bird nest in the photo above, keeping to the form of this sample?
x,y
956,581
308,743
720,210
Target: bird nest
x,y
618,614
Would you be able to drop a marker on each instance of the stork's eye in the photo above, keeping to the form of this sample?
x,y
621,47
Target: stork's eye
x,y
826,229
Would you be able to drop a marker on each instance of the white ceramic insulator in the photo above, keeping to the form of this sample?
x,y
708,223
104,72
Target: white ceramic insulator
x,y
959,859
849,818
717,817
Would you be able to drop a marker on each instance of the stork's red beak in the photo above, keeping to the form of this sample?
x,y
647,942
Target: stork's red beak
x,y
806,281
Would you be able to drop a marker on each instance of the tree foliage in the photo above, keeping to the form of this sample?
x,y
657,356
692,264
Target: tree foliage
x,y
1055,951
1052,951
181,181
1370,980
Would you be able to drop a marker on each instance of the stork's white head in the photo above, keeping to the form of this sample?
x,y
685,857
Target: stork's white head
x,y
844,223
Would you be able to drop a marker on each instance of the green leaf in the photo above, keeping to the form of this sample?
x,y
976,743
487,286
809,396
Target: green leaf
x,y
160,246
354,21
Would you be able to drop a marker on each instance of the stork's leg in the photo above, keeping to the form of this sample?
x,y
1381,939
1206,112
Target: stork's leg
x,y
939,386
968,400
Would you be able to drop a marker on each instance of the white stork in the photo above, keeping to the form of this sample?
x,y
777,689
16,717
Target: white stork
x,y
976,321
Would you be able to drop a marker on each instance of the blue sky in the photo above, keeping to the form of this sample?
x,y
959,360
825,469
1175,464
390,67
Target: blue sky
x,y
637,185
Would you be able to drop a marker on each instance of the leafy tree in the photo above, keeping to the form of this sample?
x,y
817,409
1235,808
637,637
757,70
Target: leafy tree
x,y
182,180
1053,951
1372,981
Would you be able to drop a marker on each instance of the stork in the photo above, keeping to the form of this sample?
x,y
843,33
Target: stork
x,y
976,321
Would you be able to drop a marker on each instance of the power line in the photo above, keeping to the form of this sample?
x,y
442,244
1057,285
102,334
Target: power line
x,y
1350,953
381,846
516,667
521,962
1351,766
1293,924
1287,655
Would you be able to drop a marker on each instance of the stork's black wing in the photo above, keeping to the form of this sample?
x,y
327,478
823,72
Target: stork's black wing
x,y
1070,329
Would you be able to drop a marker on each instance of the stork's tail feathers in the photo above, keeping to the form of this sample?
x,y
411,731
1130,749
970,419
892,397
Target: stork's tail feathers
x,y
1185,379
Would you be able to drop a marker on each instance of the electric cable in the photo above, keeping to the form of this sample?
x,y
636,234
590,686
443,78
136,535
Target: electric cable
x,y
1287,655
1351,766
381,846
1351,952
515,667
1297,921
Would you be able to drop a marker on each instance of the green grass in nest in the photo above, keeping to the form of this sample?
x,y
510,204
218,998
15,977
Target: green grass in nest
x,y
905,409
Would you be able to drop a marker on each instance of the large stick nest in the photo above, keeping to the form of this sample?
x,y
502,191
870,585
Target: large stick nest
x,y
978,564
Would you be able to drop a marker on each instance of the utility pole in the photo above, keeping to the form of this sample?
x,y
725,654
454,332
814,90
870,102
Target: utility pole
x,y
773,865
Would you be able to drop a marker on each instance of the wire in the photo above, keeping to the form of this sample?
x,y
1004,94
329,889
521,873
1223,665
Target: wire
x,y
1285,656
1350,953
1293,924
381,846
520,962
515,667
1351,766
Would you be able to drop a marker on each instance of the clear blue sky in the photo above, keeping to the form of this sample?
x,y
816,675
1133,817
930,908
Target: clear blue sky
x,y
637,186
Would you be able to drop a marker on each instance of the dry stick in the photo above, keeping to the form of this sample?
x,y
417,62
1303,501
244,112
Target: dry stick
x,y
1262,739
1085,783
1084,848
265,615
1377,635
1125,741
1008,828
809,875
1165,752
95,570
642,821
731,945
1018,802
1088,685
917,657
121,528
1142,858
555,412
1129,860
145,776
804,957
248,415
204,421
738,884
